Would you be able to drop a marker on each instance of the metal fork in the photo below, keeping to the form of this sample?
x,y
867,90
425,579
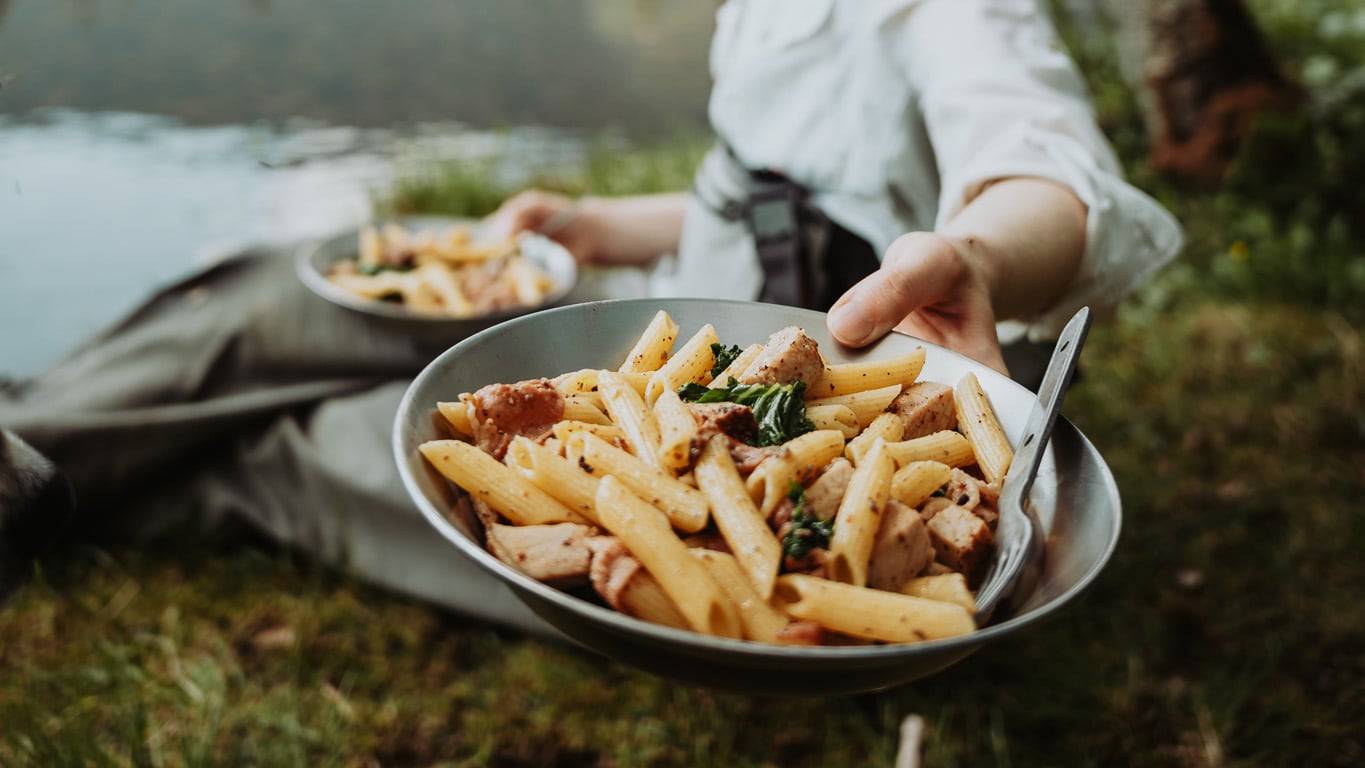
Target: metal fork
x,y
1019,543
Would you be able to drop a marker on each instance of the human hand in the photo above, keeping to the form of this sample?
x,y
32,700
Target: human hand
x,y
629,231
551,214
928,286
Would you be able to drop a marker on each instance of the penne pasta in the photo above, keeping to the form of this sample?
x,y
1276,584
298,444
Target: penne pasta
x,y
977,420
586,409
646,532
761,621
837,417
797,462
872,614
915,482
692,362
609,432
684,505
502,488
737,366
945,447
860,513
677,427
561,478
944,587
651,350
844,378
628,411
746,530
851,500
457,416
886,427
866,405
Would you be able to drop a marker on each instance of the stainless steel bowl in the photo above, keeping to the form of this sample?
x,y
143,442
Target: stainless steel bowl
x,y
313,261
1075,497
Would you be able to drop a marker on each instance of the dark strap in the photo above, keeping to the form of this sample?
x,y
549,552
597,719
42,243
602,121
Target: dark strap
x,y
773,216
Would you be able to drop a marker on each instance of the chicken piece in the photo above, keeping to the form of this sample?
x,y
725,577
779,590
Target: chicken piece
x,y
961,540
925,407
823,495
962,489
731,419
557,554
503,411
789,355
801,632
901,549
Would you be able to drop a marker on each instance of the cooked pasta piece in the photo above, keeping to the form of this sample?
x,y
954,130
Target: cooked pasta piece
x,y
872,614
646,532
502,488
976,418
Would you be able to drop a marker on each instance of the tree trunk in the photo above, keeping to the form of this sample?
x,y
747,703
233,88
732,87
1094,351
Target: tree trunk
x,y
1209,74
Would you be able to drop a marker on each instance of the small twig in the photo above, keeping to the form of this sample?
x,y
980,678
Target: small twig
x,y
912,735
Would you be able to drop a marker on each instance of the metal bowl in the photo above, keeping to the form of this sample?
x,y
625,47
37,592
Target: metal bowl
x,y
1074,497
313,261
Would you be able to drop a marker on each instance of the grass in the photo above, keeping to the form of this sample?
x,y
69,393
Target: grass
x,y
1226,631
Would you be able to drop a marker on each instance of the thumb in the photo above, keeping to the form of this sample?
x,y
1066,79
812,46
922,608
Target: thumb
x,y
919,270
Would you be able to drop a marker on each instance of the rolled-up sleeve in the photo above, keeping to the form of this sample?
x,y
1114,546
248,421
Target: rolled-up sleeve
x,y
1000,98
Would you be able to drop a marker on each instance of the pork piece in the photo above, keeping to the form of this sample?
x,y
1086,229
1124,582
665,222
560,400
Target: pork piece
x,y
557,554
624,583
503,411
961,540
789,355
901,549
925,407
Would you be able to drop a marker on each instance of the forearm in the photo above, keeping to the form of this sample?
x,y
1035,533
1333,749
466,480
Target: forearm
x,y
634,230
1027,238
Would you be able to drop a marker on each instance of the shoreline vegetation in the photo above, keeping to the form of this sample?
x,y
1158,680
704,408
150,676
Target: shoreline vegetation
x,y
1226,397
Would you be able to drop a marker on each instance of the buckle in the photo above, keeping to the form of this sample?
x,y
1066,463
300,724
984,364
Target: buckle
x,y
771,212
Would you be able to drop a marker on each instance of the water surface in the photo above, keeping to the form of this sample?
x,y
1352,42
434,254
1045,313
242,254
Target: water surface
x,y
139,138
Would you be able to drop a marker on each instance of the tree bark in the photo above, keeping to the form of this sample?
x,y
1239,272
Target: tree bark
x,y
1209,75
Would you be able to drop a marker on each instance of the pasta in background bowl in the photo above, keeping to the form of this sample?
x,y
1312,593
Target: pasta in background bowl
x,y
425,291
1074,497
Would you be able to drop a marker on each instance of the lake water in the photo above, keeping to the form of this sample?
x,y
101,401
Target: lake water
x,y
139,138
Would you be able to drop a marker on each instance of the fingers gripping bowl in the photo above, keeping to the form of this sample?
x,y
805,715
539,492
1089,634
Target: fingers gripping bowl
x,y
1074,497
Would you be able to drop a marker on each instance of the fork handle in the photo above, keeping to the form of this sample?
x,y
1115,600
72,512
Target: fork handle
x,y
1038,429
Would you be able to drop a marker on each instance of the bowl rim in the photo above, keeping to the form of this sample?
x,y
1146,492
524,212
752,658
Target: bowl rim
x,y
309,267
523,585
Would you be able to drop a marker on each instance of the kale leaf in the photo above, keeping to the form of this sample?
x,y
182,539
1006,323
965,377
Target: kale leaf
x,y
807,531
779,408
724,356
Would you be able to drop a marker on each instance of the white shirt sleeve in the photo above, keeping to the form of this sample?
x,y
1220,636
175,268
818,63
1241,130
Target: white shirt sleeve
x,y
999,97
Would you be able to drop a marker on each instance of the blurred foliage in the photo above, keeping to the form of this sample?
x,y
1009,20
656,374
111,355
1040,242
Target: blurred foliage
x,y
1288,223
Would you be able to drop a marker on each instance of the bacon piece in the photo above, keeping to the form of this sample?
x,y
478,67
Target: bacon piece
x,y
789,355
925,407
503,411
